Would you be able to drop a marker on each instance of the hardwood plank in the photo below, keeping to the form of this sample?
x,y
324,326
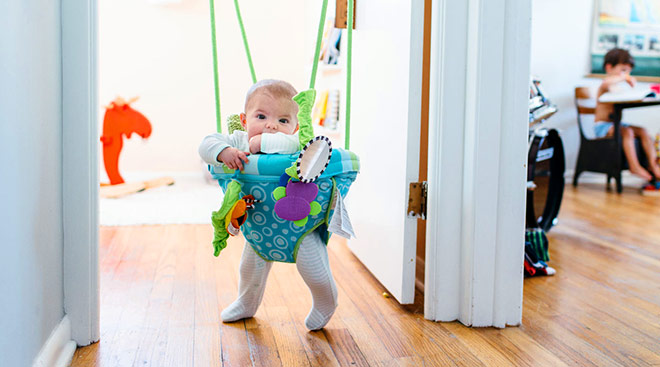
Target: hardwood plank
x,y
263,349
133,318
131,284
162,292
289,346
346,351
594,324
610,268
564,344
298,301
235,348
603,299
367,297
180,330
454,349
207,345
88,356
348,316
152,344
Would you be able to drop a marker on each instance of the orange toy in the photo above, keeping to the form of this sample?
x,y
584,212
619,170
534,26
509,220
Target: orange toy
x,y
120,119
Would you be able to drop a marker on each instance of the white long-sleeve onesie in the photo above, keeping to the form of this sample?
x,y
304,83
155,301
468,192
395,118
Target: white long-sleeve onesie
x,y
311,262
213,144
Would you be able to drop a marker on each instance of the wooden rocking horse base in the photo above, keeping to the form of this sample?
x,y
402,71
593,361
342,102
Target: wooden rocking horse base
x,y
116,191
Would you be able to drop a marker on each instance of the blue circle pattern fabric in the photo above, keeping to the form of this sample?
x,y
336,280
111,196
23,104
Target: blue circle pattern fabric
x,y
272,237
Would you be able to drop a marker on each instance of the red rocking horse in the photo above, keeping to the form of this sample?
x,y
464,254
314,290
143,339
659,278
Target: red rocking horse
x,y
121,121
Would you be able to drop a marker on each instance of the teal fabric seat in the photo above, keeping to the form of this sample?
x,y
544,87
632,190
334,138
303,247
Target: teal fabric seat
x,y
274,238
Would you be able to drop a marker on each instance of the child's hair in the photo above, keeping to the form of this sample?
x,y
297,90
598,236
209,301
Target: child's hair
x,y
276,88
618,56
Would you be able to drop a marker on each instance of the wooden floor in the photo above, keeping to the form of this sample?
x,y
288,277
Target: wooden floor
x,y
162,292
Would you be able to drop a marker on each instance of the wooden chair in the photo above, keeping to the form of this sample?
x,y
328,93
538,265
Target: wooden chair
x,y
603,155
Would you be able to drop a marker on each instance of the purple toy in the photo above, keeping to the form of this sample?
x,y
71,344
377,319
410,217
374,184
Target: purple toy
x,y
294,200
296,204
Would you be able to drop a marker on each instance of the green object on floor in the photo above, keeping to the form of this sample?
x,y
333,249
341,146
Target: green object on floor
x,y
539,242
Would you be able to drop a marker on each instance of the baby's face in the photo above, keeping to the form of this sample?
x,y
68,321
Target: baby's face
x,y
268,114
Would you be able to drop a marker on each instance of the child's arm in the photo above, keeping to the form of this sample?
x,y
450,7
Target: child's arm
x,y
609,81
228,149
274,143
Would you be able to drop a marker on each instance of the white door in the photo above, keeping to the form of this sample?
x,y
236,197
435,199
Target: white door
x,y
385,125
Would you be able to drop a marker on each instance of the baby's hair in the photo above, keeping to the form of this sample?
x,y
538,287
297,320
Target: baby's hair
x,y
618,56
276,88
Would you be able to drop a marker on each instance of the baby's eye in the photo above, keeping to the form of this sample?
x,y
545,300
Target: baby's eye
x,y
261,116
284,121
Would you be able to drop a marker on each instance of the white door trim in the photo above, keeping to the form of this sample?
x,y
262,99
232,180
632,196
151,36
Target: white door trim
x,y
58,349
477,158
80,168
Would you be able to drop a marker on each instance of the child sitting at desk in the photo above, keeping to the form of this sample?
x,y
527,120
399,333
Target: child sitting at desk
x,y
618,64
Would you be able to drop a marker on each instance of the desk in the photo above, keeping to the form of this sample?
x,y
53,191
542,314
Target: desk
x,y
616,119
620,106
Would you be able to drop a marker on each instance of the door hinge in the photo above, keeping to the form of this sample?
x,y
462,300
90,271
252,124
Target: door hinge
x,y
417,200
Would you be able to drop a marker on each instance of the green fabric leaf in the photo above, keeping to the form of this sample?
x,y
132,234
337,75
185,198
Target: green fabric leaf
x,y
316,208
279,193
292,171
220,235
301,222
305,101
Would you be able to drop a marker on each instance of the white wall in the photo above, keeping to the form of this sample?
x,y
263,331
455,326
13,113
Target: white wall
x,y
162,53
31,296
561,30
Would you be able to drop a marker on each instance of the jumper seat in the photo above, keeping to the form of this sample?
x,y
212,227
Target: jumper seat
x,y
274,238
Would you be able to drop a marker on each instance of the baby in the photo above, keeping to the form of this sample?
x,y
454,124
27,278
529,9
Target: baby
x,y
270,121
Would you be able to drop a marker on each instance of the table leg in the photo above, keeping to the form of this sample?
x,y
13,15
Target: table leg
x,y
618,163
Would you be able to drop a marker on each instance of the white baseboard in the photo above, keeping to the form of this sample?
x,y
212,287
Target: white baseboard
x,y
59,348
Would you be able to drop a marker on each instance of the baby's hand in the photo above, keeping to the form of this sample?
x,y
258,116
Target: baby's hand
x,y
255,144
631,80
233,158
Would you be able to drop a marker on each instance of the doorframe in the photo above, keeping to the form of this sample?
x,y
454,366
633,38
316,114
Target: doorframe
x,y
80,168
480,57
473,281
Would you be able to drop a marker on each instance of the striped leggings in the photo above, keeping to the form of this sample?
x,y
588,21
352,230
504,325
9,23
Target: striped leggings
x,y
312,264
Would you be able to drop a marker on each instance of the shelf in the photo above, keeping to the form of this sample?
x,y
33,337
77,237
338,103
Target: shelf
x,y
335,135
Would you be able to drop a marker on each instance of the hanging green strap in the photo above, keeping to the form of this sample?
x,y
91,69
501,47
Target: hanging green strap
x,y
319,38
317,53
215,69
245,42
305,101
349,57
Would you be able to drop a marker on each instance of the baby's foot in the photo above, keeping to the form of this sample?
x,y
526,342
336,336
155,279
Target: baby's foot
x,y
237,311
316,319
641,172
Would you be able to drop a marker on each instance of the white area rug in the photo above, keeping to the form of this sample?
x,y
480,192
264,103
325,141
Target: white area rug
x,y
190,200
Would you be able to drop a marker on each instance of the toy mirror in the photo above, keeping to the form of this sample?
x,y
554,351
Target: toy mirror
x,y
314,159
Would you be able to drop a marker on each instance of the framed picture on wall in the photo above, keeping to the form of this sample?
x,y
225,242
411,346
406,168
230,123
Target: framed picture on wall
x,y
630,24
